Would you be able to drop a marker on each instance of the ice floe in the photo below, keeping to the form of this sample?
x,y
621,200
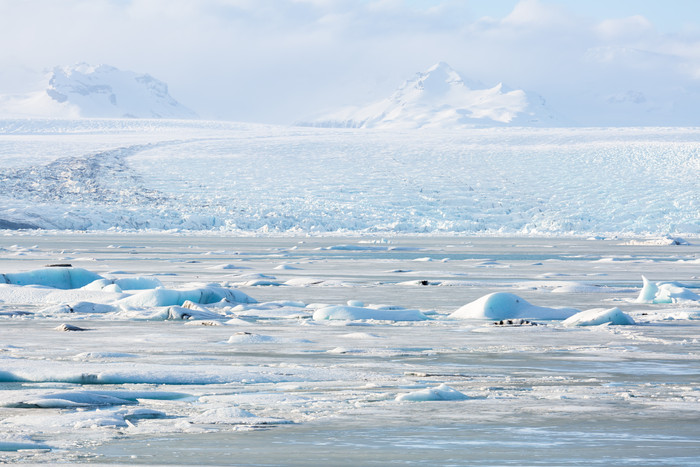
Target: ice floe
x,y
19,443
73,399
233,416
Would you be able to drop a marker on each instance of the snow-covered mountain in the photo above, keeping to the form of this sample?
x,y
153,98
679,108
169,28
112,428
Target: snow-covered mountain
x,y
441,98
99,92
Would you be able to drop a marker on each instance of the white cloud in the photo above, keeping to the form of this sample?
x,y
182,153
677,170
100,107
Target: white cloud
x,y
535,13
633,27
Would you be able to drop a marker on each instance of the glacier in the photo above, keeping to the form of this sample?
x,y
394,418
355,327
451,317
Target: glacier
x,y
267,180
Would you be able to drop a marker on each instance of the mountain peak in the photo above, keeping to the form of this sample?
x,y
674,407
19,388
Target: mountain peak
x,y
436,80
106,91
440,98
101,91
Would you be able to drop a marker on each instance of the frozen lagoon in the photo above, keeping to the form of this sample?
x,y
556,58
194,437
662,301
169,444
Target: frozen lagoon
x,y
271,386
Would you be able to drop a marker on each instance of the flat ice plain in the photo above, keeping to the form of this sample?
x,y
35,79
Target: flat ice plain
x,y
155,380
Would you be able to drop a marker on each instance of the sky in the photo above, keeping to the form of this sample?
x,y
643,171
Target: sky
x,y
279,61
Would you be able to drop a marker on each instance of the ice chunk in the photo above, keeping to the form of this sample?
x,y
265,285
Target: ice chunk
x,y
503,305
353,313
598,316
57,309
72,399
77,399
191,312
204,323
78,307
666,240
648,292
58,278
61,422
249,338
440,393
664,292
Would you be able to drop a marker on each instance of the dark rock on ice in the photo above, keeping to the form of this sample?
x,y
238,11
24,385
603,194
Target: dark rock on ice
x,y
514,322
69,327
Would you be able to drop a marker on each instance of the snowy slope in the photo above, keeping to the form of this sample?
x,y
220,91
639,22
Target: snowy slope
x,y
97,91
440,98
176,174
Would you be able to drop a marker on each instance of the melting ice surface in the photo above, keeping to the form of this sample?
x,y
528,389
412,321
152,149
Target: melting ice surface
x,y
197,348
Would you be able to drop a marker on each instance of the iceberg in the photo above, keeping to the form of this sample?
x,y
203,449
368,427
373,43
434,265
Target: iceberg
x,y
173,297
440,393
665,292
503,305
599,316
56,277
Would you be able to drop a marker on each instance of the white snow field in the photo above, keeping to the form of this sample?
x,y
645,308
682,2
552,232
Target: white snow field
x,y
180,292
171,348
